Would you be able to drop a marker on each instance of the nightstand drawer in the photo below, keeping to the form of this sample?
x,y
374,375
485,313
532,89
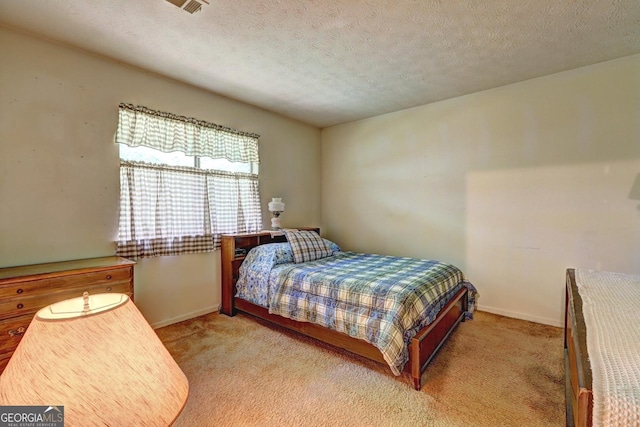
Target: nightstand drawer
x,y
48,285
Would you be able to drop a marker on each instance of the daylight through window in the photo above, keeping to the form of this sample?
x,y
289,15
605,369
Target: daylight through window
x,y
183,183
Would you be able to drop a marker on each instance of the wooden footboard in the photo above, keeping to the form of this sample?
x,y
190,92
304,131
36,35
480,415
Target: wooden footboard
x,y
422,349
428,340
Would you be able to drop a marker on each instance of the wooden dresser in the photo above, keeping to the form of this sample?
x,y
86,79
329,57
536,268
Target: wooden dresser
x,y
26,289
234,250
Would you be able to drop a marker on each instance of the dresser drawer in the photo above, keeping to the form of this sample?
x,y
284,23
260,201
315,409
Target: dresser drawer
x,y
48,285
29,305
11,332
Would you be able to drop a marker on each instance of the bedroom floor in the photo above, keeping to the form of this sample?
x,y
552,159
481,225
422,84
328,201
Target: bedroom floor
x,y
494,371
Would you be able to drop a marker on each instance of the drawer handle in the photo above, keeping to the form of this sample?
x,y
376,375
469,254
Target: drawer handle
x,y
109,289
21,305
17,332
19,291
109,277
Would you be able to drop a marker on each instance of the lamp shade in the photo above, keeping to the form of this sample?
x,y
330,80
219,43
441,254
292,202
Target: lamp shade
x,y
276,205
99,358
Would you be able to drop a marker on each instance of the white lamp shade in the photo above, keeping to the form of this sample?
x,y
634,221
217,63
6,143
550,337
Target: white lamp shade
x,y
276,205
107,367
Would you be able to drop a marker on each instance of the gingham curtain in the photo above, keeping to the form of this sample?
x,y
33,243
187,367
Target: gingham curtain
x,y
169,210
141,126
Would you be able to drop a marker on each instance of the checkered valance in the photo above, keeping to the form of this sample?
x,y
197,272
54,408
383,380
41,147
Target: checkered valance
x,y
141,126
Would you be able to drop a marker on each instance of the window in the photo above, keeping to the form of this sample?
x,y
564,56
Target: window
x,y
177,158
183,183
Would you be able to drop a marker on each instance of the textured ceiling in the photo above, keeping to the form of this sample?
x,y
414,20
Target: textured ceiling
x,y
326,62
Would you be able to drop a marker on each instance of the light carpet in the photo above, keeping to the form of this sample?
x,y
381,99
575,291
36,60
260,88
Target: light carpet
x,y
494,371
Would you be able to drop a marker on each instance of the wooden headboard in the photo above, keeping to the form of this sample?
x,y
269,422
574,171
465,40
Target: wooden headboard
x,y
235,247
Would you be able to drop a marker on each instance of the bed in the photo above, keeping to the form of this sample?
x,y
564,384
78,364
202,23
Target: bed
x,y
602,348
307,284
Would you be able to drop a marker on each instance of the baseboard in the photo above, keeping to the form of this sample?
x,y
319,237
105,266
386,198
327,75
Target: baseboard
x,y
536,319
186,316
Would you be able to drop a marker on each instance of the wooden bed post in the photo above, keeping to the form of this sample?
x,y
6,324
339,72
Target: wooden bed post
x,y
228,283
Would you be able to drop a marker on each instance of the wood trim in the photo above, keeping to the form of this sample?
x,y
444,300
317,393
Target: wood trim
x,y
578,376
58,269
423,348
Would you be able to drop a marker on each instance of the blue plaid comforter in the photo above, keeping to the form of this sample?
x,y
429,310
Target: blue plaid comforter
x,y
380,299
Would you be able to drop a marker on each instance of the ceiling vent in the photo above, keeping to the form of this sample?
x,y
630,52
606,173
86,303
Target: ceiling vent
x,y
191,6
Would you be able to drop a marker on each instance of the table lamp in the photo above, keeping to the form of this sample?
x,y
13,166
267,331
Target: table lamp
x,y
98,358
276,207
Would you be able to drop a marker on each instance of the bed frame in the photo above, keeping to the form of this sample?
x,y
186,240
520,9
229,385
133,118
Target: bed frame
x,y
422,349
578,381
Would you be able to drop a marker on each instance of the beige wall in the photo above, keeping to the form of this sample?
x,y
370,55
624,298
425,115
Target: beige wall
x,y
513,185
59,184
